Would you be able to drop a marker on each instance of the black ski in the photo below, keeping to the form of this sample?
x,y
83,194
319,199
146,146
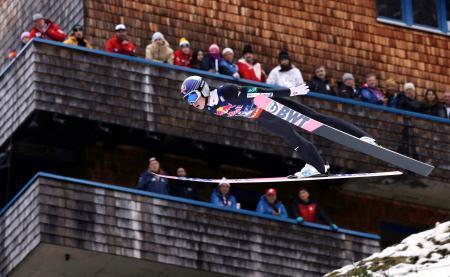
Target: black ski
x,y
333,134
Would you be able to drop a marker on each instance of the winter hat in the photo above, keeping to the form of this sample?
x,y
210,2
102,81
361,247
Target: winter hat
x,y
409,86
214,48
247,49
227,50
157,35
77,28
37,16
184,42
271,191
284,55
224,182
347,76
24,35
120,27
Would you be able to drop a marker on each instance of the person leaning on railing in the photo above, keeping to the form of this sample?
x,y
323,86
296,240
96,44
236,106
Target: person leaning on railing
x,y
120,43
46,29
431,104
269,204
159,49
150,182
222,197
305,209
77,38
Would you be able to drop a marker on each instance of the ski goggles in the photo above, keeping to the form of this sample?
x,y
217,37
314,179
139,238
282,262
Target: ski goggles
x,y
192,96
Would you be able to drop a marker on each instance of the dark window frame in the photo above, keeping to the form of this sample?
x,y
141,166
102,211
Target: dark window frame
x,y
408,21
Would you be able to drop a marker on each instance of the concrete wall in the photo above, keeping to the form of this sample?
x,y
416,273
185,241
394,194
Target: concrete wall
x,y
102,219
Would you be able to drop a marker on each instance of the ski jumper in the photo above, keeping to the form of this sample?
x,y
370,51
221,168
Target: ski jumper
x,y
236,101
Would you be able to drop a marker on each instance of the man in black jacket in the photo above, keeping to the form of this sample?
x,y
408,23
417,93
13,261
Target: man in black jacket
x,y
182,188
406,100
320,82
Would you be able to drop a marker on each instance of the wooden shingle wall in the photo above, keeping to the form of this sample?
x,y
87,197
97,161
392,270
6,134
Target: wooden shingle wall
x,y
136,95
16,17
343,35
104,220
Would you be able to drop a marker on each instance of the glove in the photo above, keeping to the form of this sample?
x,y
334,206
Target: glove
x,y
334,227
236,75
299,219
302,89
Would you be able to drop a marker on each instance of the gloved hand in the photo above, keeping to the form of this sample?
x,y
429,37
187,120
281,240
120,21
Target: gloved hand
x,y
299,219
334,227
302,89
236,75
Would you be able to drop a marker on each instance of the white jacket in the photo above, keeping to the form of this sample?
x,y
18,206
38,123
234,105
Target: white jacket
x,y
291,78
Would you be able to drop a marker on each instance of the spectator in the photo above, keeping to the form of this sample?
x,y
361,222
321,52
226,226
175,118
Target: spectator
x,y
347,88
46,29
285,74
221,196
370,92
211,61
159,49
148,181
183,188
248,67
391,92
197,58
305,209
24,38
269,205
320,82
120,43
183,55
407,99
447,103
77,37
227,65
431,104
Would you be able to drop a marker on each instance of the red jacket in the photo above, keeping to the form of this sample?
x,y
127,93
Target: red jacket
x,y
53,32
308,212
253,72
115,45
182,59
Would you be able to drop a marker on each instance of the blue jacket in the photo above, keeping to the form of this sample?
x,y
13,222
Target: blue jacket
x,y
227,68
148,182
368,96
229,201
265,208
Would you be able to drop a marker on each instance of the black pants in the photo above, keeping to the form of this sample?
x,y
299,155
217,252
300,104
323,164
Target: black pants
x,y
286,130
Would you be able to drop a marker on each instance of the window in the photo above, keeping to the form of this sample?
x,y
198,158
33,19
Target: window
x,y
448,15
425,12
390,9
430,15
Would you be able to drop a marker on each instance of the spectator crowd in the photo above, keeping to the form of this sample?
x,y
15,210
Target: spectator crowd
x,y
303,208
286,74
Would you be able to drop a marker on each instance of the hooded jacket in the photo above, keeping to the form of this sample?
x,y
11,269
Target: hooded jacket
x,y
52,32
290,78
72,40
225,201
116,46
182,59
162,53
253,72
265,207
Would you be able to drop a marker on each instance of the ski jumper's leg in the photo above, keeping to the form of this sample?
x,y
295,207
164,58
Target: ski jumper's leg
x,y
284,129
326,119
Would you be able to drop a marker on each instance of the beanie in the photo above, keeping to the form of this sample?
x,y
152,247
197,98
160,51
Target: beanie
x,y
247,49
157,35
409,86
184,42
347,76
283,56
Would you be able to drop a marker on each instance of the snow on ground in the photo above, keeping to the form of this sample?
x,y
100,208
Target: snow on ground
x,y
422,254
